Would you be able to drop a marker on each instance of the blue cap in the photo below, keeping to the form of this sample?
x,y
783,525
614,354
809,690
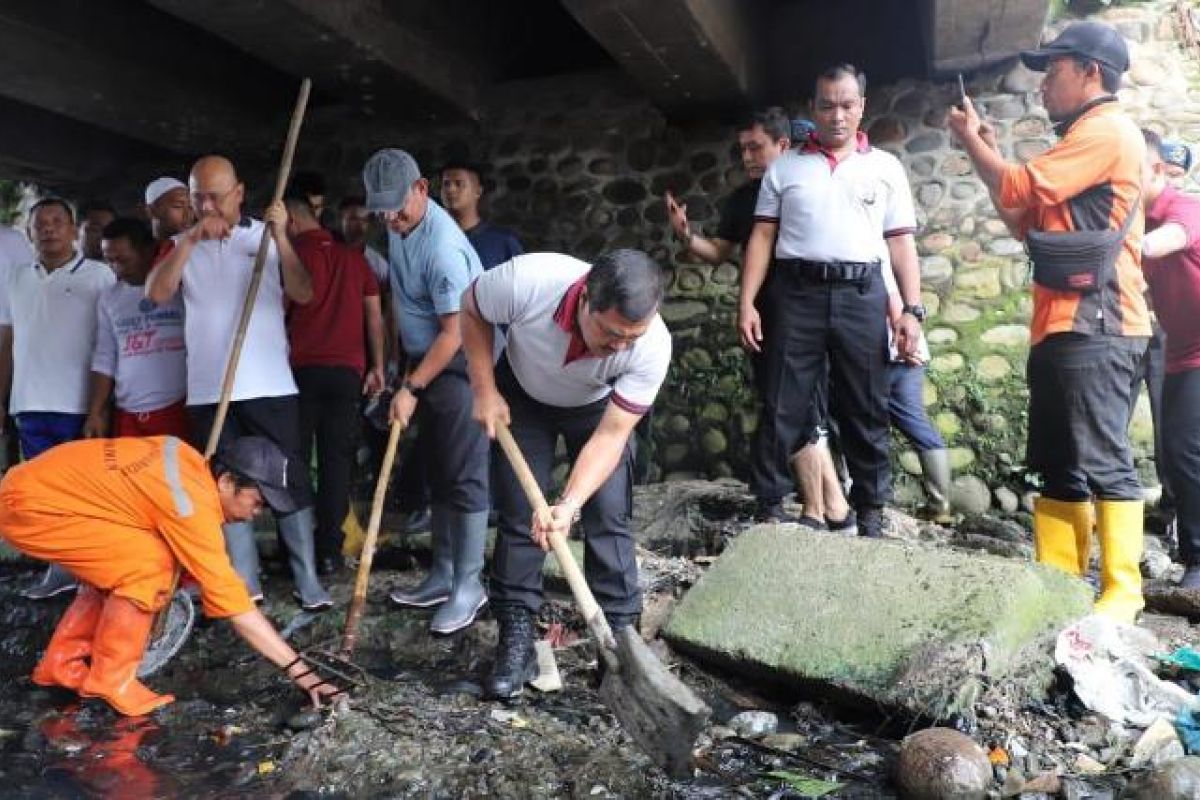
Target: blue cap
x,y
1088,39
1176,154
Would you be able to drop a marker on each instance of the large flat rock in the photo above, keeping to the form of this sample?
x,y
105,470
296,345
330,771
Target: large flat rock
x,y
908,627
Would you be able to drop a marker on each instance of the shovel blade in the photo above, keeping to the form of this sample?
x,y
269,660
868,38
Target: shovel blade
x,y
656,709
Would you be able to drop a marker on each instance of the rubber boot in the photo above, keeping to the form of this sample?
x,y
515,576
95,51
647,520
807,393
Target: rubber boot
x,y
468,532
516,660
935,471
435,588
1119,528
117,651
1062,533
55,580
297,532
65,661
242,548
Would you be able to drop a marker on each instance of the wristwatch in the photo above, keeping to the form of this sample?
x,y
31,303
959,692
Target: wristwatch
x,y
413,389
917,310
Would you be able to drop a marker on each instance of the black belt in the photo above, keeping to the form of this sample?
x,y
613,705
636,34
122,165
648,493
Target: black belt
x,y
830,271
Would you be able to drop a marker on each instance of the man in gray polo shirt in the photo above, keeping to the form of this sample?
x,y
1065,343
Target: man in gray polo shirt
x,y
585,356
431,264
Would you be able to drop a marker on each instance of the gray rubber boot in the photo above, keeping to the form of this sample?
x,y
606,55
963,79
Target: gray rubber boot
x,y
436,586
55,580
935,469
243,552
468,532
298,532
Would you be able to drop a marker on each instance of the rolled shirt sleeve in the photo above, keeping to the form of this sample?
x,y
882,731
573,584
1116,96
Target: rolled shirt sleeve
x,y
770,197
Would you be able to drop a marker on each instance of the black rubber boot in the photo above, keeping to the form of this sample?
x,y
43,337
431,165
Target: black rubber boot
x,y
516,661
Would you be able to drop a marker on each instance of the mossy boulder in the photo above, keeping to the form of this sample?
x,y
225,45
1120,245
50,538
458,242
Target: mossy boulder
x,y
887,624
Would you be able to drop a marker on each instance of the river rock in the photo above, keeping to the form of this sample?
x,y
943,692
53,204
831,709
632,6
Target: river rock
x,y
1007,336
1007,499
753,724
970,495
941,763
890,624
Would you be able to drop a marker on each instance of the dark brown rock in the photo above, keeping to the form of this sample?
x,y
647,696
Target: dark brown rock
x,y
942,764
624,191
887,129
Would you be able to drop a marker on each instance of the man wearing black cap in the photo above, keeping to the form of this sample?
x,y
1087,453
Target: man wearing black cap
x,y
1090,322
123,515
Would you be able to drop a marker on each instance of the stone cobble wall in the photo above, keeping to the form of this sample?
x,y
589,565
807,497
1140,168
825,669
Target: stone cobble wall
x,y
581,166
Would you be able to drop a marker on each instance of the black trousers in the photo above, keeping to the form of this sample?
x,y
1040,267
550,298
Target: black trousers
x,y
1079,404
609,561
276,418
453,445
1181,450
329,398
837,329
1153,373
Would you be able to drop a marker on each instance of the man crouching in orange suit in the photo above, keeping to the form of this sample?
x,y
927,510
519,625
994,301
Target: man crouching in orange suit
x,y
121,514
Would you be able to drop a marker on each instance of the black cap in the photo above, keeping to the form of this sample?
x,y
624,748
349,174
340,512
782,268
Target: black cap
x,y
260,460
1088,39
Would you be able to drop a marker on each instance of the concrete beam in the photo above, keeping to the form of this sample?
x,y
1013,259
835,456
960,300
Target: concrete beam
x,y
682,52
75,159
355,52
965,35
139,74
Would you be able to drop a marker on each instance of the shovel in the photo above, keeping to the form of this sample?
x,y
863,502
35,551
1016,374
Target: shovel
x,y
358,603
662,715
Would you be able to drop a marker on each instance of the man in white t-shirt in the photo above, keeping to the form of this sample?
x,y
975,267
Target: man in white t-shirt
x,y
47,328
211,266
830,213
139,359
586,354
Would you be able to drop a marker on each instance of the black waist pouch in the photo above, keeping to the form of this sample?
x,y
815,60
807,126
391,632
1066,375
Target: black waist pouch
x,y
1076,261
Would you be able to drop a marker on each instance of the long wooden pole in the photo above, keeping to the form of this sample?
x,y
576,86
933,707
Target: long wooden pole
x,y
260,260
358,603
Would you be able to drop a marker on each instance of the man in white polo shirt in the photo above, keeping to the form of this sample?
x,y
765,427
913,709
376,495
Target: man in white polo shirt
x,y
47,328
211,265
585,356
831,213
139,356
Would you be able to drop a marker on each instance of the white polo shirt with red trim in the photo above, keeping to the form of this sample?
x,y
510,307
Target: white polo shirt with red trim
x,y
537,296
830,210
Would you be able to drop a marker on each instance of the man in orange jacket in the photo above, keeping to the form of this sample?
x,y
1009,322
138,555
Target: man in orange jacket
x,y
122,514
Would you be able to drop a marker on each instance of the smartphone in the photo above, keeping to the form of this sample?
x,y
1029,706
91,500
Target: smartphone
x,y
962,91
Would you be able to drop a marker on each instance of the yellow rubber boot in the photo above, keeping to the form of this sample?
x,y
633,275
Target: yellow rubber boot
x,y
1062,533
1119,528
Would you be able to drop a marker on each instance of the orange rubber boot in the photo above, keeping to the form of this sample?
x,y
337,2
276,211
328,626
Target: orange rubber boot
x,y
117,652
65,660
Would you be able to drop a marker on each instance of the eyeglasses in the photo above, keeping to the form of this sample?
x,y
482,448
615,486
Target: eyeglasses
x,y
215,198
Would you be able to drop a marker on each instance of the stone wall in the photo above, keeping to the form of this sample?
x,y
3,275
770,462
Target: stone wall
x,y
580,167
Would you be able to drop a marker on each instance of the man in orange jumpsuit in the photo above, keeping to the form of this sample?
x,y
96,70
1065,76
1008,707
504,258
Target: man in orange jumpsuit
x,y
122,514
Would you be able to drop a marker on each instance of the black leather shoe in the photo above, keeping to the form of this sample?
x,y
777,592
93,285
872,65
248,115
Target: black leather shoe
x,y
516,661
870,522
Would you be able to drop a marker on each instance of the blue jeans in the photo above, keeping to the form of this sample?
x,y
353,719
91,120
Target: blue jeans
x,y
38,431
906,407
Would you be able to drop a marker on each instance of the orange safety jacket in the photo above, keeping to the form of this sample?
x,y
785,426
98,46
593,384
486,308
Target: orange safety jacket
x,y
120,514
1089,180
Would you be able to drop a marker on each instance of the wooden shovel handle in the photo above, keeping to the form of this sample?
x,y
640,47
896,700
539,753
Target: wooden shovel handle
x,y
358,603
260,260
579,588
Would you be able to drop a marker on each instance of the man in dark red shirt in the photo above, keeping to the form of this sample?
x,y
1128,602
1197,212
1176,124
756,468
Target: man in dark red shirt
x,y
328,356
1171,262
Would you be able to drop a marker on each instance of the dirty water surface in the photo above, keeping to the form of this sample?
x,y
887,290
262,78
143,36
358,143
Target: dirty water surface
x,y
415,725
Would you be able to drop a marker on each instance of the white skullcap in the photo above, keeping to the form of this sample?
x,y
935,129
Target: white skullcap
x,y
160,186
